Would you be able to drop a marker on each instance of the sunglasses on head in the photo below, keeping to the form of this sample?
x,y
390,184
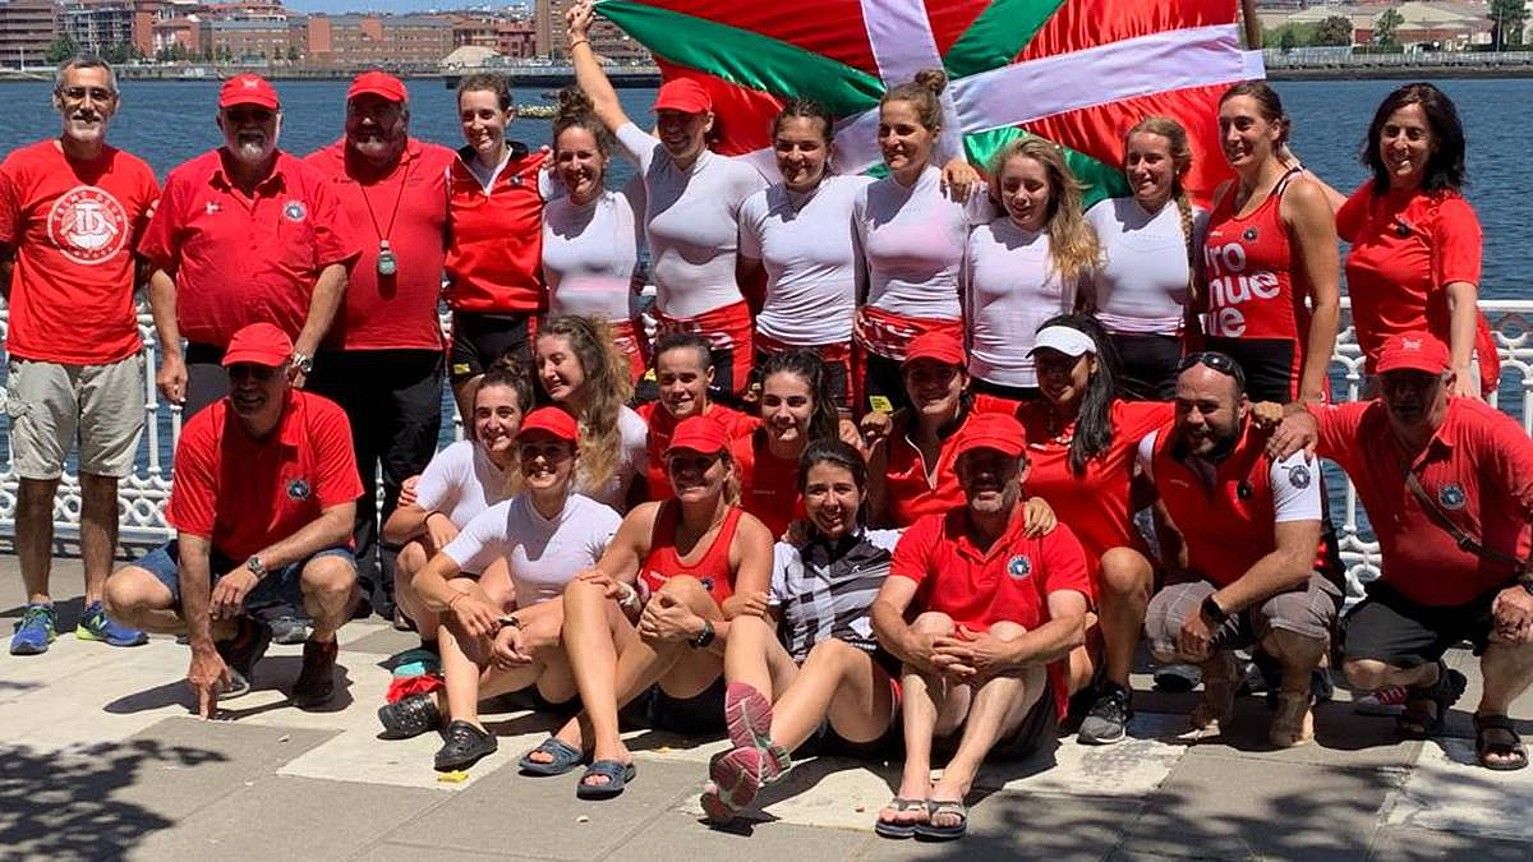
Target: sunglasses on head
x,y
1220,362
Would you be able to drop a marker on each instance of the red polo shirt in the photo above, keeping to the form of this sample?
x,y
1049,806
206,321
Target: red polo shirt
x,y
245,494
73,226
495,259
1478,467
768,484
662,425
238,260
1011,581
910,494
408,207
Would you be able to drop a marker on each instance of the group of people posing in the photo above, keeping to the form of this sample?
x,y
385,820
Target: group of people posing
x,y
873,489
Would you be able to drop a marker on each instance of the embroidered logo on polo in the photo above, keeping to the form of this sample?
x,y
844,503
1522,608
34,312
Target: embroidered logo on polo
x,y
88,225
1299,477
1452,496
298,489
1250,235
1019,567
294,211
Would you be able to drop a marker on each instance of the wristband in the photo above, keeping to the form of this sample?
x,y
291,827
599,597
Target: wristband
x,y
510,621
579,42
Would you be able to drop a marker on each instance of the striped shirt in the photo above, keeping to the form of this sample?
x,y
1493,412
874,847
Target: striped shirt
x,y
825,589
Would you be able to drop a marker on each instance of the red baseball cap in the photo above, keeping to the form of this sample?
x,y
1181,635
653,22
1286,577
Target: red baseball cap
x,y
248,88
1418,351
259,344
551,420
685,95
940,346
699,434
378,83
998,431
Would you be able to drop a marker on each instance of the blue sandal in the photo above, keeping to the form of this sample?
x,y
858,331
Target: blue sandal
x,y
565,757
618,775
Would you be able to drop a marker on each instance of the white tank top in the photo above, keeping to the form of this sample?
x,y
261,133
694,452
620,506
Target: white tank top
x,y
691,222
1012,288
1142,286
543,554
913,243
807,245
590,252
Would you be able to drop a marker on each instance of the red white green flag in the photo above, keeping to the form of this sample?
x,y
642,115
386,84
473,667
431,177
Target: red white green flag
x,y
1075,72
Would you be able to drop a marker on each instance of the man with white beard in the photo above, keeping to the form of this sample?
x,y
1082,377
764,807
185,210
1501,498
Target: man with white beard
x,y
244,233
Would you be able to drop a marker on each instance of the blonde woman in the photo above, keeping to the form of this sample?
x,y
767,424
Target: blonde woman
x,y
1025,268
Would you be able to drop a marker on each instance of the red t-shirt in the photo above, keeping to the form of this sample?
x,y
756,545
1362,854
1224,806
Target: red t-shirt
x,y
662,425
238,260
1478,467
1011,581
245,494
768,484
73,226
910,494
1407,247
495,258
409,209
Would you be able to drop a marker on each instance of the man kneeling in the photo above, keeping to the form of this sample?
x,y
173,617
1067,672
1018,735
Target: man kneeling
x,y
990,611
262,499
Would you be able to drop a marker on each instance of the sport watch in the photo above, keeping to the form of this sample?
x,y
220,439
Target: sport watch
x,y
704,637
256,567
303,362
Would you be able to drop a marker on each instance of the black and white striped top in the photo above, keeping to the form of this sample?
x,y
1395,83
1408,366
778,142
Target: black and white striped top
x,y
825,589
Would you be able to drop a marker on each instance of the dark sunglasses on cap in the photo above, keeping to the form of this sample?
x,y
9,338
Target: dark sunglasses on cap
x,y
1220,362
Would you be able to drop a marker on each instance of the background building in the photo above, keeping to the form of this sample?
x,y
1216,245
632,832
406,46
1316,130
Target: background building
x,y
608,41
26,29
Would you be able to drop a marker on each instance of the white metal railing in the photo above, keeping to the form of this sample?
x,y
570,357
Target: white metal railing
x,y
142,496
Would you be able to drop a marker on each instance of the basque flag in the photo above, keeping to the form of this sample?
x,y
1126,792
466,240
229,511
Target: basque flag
x,y
1078,73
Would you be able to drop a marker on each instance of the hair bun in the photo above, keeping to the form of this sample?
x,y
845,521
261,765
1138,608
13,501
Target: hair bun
x,y
934,80
573,102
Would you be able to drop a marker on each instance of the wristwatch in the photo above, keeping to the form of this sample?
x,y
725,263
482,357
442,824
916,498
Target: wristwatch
x,y
256,567
303,362
1212,612
510,620
704,638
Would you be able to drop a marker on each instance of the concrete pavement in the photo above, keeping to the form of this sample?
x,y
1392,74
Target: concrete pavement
x,y
99,759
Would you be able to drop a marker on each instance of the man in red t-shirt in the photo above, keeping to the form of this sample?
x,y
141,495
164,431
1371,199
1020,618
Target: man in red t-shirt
x,y
262,499
1448,485
245,232
382,359
1255,574
981,614
72,210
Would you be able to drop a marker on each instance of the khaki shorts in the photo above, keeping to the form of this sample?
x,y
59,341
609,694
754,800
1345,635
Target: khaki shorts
x,y
1308,610
50,405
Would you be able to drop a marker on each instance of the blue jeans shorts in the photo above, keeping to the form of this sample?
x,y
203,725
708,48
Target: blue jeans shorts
x,y
280,588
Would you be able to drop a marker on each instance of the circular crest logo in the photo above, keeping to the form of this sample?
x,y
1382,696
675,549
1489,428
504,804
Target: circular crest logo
x,y
88,225
1019,567
294,211
1299,477
1250,235
1452,496
707,584
298,489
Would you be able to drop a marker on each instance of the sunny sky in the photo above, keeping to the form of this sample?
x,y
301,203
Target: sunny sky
x,y
336,6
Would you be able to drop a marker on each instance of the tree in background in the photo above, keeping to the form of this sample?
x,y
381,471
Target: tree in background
x,y
61,49
1386,26
1335,31
1509,18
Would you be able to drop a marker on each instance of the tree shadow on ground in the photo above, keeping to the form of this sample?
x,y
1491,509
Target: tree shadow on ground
x,y
60,805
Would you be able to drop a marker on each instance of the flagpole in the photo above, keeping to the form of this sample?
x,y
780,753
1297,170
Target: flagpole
x,y
1253,25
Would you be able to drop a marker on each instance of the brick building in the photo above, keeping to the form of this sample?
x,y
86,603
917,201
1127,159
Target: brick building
x,y
609,42
371,40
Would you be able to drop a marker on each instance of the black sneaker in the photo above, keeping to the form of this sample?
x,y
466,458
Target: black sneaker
x,y
1107,722
463,745
241,652
316,682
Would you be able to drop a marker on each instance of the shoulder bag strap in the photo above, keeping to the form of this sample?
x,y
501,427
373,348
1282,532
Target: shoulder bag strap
x,y
1465,541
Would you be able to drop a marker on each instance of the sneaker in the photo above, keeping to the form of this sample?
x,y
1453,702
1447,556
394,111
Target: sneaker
x,y
289,630
463,746
1107,721
95,625
35,630
316,682
1177,678
1385,701
241,652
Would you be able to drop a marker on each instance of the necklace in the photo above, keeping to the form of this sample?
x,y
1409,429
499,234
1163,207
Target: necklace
x,y
387,264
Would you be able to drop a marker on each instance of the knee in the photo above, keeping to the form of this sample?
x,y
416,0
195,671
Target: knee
x,y
411,559
1365,674
1292,649
1006,630
329,575
933,623
1125,572
830,651
686,590
124,597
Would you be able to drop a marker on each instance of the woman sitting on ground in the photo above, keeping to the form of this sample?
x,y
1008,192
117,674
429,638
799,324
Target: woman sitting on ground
x,y
546,534
684,375
657,611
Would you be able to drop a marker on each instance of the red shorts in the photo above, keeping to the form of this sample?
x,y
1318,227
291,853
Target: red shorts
x,y
729,331
631,339
879,337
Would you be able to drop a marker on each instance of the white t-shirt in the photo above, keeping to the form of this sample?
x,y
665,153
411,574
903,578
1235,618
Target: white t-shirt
x,y
805,241
633,460
1142,286
912,240
590,252
542,554
691,223
1291,500
1012,288
460,482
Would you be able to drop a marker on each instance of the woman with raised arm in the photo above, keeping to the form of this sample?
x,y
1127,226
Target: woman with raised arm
x,y
546,535
1152,251
657,611
693,199
683,372
1270,259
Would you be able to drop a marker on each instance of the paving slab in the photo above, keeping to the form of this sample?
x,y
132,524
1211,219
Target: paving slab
x,y
1411,844
1447,792
1026,826
677,833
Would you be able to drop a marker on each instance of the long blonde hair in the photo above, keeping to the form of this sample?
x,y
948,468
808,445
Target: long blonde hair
x,y
607,387
1181,162
1073,245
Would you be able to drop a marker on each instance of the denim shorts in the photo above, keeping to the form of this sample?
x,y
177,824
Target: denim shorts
x,y
281,587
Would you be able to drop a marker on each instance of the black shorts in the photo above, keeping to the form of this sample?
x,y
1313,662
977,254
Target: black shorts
x,y
1019,394
1390,628
480,339
883,384
1271,365
1148,366
1037,727
701,714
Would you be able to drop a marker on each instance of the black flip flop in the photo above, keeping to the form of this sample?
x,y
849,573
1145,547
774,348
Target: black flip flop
x,y
618,775
929,831
891,829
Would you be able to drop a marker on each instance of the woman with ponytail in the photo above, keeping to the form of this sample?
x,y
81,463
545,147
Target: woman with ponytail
x,y
798,407
591,235
1152,245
